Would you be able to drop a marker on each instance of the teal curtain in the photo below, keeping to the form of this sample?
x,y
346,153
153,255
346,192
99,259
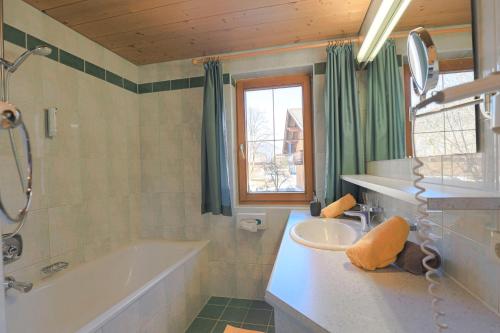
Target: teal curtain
x,y
385,118
344,148
216,197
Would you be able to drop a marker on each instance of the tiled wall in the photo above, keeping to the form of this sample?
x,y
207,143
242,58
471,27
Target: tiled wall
x,y
240,262
87,178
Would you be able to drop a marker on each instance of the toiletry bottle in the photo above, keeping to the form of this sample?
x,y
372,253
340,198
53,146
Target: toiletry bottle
x,y
315,206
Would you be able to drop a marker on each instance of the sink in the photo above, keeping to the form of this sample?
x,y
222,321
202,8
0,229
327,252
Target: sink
x,y
326,234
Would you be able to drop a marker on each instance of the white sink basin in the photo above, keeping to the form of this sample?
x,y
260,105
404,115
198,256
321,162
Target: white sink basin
x,y
326,234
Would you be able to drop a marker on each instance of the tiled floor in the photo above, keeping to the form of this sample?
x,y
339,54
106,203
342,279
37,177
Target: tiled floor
x,y
245,313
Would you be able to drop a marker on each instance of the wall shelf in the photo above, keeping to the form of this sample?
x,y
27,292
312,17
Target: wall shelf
x,y
439,197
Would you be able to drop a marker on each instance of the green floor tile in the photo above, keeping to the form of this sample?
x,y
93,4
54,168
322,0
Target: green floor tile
x,y
211,311
218,300
261,305
234,314
258,317
258,328
240,303
201,325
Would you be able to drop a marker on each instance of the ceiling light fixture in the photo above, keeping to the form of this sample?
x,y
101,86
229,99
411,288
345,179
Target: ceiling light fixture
x,y
381,18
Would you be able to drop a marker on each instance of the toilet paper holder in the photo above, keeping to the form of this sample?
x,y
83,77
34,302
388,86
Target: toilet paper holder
x,y
251,222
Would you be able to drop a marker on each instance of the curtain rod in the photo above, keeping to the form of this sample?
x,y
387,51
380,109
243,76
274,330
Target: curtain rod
x,y
396,35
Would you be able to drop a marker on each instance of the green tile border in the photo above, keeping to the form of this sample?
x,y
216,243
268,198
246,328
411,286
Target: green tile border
x,y
130,86
13,35
27,41
161,86
113,78
71,60
145,88
95,70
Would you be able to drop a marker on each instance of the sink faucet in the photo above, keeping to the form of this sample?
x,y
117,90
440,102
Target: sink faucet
x,y
23,287
364,216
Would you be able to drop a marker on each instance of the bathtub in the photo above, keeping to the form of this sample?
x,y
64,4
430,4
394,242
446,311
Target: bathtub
x,y
148,286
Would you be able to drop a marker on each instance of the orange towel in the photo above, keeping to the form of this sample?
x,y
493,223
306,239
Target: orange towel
x,y
380,247
232,329
339,207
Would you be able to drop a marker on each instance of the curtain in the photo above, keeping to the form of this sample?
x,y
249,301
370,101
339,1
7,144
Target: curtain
x,y
385,118
216,197
344,151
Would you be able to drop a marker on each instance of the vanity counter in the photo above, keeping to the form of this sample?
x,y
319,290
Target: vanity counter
x,y
324,292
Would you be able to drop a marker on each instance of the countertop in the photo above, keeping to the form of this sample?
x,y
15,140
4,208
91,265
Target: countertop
x,y
327,293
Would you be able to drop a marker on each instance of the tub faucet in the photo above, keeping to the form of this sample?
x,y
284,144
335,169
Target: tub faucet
x,y
11,283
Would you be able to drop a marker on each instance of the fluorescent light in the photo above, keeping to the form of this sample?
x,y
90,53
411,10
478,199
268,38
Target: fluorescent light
x,y
387,16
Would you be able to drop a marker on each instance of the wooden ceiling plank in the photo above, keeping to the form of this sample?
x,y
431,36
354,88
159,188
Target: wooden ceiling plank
x,y
185,11
90,11
241,39
49,4
232,21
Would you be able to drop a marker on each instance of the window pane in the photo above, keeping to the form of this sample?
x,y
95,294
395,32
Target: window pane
x,y
429,144
430,123
274,125
451,132
259,115
290,162
460,142
259,155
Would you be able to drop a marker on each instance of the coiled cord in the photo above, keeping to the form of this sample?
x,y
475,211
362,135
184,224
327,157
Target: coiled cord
x,y
425,228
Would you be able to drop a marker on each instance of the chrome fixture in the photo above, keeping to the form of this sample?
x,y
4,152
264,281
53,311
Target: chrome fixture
x,y
364,216
11,283
11,67
12,248
55,267
11,119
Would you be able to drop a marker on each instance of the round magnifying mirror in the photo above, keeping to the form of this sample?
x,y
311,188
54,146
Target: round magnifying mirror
x,y
423,60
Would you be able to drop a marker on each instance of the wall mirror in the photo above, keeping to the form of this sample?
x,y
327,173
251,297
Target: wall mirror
x,y
448,133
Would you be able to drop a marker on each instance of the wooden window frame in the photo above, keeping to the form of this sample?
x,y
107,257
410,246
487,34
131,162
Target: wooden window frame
x,y
445,66
284,198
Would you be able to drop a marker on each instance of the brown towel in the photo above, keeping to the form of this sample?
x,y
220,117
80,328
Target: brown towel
x,y
410,259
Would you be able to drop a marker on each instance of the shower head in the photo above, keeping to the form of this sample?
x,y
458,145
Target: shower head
x,y
41,50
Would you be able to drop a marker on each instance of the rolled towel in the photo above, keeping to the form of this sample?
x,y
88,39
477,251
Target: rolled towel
x,y
339,207
232,329
380,247
410,259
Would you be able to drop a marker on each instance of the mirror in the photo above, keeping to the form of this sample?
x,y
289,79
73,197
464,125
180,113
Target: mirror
x,y
422,59
448,53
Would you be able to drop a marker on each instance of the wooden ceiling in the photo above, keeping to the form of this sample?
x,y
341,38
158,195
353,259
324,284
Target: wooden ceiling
x,y
151,31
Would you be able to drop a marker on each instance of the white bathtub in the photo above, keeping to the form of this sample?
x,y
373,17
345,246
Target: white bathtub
x,y
147,286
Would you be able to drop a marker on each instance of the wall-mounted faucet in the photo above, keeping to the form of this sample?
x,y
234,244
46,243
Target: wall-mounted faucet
x,y
11,283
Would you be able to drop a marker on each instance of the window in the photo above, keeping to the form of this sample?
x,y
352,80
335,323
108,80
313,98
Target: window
x,y
275,157
451,132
